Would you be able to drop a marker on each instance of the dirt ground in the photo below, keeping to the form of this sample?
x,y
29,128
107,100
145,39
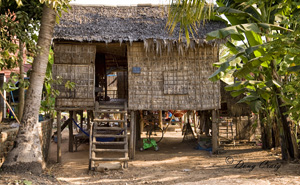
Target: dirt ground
x,y
175,163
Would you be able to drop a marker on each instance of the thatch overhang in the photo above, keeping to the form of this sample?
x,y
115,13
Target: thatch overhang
x,y
124,24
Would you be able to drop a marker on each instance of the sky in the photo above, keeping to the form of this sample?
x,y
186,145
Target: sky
x,y
120,2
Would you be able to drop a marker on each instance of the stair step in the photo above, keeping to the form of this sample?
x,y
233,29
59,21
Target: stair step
x,y
110,143
110,159
109,120
110,112
110,135
109,128
109,150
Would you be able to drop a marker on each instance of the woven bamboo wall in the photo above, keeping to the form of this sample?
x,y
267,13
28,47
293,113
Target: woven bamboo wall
x,y
75,63
172,81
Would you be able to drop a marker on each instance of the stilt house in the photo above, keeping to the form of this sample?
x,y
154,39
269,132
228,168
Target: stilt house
x,y
151,69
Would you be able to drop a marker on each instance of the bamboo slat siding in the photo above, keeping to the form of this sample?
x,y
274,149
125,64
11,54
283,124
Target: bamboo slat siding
x,y
172,81
75,63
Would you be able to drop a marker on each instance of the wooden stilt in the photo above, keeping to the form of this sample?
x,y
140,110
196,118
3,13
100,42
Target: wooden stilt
x,y
240,126
141,122
81,119
58,137
234,122
214,132
71,138
132,138
135,131
88,120
195,122
138,126
160,119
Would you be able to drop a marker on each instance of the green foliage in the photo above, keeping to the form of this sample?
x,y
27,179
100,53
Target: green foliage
x,y
267,71
27,182
49,94
20,21
70,85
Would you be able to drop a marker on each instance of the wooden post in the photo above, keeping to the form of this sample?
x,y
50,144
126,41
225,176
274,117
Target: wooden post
x,y
240,126
234,122
88,120
58,137
105,78
71,138
141,122
132,133
138,126
227,122
214,132
195,122
135,137
160,119
81,120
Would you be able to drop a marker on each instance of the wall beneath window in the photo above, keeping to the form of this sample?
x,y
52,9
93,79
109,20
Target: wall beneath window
x,y
167,80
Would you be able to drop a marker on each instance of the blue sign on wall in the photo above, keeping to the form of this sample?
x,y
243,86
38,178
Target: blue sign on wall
x,y
136,70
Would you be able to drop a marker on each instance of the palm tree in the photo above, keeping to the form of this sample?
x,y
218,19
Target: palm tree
x,y
27,155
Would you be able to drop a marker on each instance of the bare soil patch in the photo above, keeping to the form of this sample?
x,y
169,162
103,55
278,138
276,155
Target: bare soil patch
x,y
174,163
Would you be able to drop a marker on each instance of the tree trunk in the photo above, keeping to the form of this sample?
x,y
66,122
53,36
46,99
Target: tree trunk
x,y
27,155
21,86
289,146
266,133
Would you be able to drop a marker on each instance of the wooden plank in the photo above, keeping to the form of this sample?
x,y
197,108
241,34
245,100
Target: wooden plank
x,y
110,112
110,159
100,106
73,108
110,143
109,120
59,137
109,128
109,136
109,150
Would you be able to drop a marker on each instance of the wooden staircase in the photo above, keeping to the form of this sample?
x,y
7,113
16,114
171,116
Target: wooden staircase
x,y
109,142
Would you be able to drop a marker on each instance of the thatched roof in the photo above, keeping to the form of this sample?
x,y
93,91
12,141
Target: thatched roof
x,y
121,24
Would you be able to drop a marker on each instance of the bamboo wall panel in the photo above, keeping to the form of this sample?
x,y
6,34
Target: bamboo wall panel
x,y
74,54
75,63
171,80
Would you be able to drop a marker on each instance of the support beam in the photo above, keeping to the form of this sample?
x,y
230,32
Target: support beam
x,y
160,119
195,122
214,132
135,137
71,137
58,137
132,134
81,120
138,126
88,120
141,122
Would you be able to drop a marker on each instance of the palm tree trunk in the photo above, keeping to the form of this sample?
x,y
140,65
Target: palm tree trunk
x,y
21,87
27,155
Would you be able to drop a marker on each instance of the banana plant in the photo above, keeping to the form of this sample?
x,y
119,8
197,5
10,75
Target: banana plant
x,y
264,29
